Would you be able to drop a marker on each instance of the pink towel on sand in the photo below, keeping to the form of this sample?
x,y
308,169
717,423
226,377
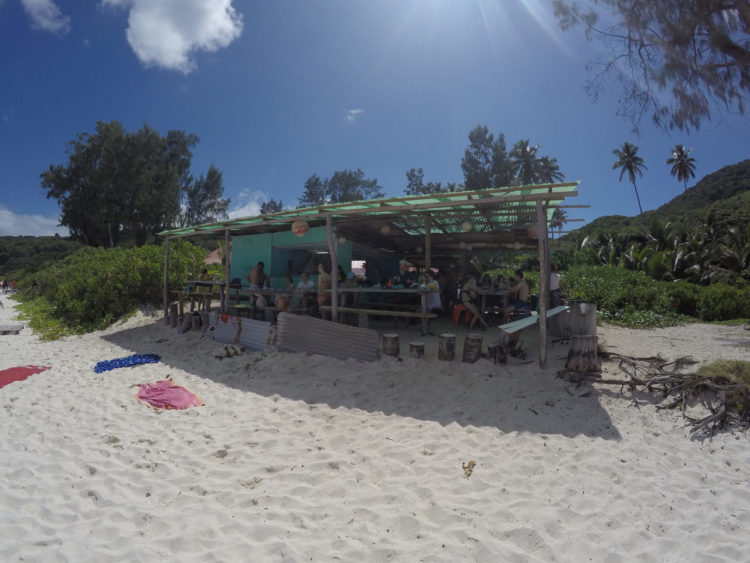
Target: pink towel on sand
x,y
19,373
166,395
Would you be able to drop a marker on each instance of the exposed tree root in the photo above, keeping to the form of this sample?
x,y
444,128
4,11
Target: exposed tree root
x,y
728,402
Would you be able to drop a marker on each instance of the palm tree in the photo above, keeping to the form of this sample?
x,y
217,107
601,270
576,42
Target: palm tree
x,y
683,165
524,162
559,218
629,161
548,170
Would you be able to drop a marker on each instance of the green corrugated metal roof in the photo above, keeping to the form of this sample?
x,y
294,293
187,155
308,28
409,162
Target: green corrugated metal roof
x,y
490,210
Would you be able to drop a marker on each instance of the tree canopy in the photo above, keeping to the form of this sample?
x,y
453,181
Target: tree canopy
x,y
119,186
487,163
694,50
415,184
342,186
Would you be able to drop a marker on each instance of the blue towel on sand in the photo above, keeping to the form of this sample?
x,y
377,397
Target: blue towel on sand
x,y
128,362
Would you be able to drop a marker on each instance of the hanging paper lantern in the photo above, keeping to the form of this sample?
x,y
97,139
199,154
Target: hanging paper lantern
x,y
533,231
341,241
466,226
385,229
462,245
300,227
419,250
517,245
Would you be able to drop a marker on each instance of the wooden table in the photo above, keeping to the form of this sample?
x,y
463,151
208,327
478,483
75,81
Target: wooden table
x,y
423,314
237,292
484,292
210,284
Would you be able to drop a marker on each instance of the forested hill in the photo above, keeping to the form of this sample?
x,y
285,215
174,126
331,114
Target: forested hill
x,y
724,194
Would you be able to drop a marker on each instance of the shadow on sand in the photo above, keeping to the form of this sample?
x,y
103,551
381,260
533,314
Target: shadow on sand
x,y
517,397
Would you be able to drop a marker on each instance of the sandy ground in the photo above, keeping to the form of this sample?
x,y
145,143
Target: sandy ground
x,y
305,458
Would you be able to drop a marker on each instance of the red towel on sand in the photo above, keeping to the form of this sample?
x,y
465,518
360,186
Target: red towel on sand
x,y
166,395
19,373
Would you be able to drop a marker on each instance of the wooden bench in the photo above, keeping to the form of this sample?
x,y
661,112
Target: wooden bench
x,y
520,324
14,328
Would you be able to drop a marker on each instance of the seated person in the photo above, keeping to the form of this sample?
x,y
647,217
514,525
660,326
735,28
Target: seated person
x,y
284,299
256,276
467,300
433,297
404,276
519,294
305,284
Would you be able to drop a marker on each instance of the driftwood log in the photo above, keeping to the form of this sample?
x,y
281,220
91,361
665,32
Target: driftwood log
x,y
447,347
472,347
391,346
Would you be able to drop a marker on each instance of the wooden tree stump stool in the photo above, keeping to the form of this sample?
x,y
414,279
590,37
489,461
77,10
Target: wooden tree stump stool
x,y
492,352
472,347
187,323
173,315
416,349
391,346
196,321
583,355
447,347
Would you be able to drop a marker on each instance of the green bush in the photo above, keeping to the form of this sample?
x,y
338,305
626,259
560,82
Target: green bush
x,y
721,302
685,296
93,287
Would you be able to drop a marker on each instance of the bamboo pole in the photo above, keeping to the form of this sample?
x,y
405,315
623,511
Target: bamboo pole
x,y
334,264
543,251
166,278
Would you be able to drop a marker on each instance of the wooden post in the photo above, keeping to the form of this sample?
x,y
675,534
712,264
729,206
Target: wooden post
x,y
543,251
173,315
227,263
416,349
472,347
427,243
391,346
334,264
195,321
582,318
583,355
447,347
166,280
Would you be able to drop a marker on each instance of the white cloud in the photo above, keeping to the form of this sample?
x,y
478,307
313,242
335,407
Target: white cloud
x,y
248,204
166,33
47,16
353,114
12,224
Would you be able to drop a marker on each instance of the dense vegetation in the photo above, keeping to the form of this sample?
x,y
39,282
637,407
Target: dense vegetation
x,y
22,255
93,287
701,236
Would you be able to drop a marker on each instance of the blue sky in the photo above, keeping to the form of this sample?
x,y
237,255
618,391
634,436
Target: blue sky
x,y
280,90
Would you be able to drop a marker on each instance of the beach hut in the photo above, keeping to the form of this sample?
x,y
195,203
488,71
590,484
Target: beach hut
x,y
427,230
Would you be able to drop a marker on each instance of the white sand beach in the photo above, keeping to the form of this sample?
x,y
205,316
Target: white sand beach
x,y
299,457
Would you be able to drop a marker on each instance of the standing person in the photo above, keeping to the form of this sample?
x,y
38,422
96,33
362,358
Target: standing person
x,y
340,275
556,288
467,300
324,284
519,294
256,276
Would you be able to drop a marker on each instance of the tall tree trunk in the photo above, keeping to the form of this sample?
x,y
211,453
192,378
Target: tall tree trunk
x,y
638,198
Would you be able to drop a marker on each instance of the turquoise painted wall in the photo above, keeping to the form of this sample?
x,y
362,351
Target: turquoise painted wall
x,y
248,250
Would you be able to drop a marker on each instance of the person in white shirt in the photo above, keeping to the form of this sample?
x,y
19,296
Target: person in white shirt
x,y
556,288
433,297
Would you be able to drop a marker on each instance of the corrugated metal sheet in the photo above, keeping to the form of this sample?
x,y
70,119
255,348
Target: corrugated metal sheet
x,y
248,333
296,333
